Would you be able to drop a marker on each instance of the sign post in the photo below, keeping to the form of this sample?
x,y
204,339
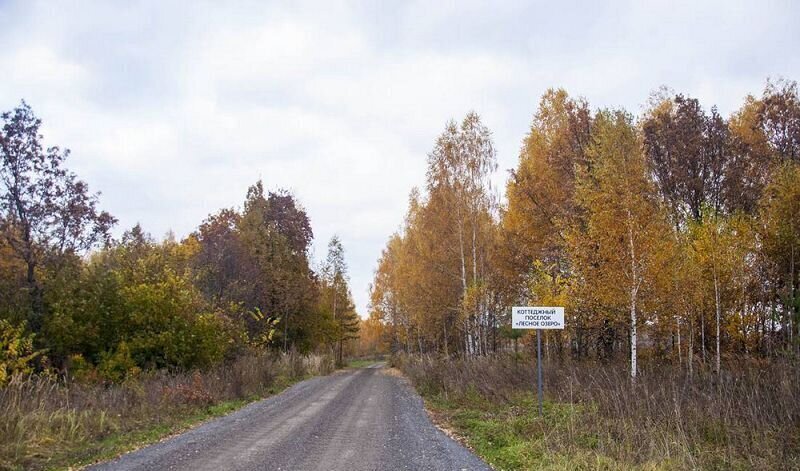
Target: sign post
x,y
537,317
539,367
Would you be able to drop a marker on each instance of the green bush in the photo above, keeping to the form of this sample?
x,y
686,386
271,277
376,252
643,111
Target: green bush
x,y
118,365
130,309
16,351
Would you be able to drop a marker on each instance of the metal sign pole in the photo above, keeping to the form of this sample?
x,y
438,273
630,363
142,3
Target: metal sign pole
x,y
539,366
538,318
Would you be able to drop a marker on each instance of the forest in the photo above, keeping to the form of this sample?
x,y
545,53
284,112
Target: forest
x,y
74,300
669,236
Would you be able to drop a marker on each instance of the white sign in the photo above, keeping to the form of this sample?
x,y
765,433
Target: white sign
x,y
537,317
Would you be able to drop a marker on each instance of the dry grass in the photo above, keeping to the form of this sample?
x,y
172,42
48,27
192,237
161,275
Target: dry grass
x,y
46,422
595,417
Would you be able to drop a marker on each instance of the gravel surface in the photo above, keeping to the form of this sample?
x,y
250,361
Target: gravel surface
x,y
362,419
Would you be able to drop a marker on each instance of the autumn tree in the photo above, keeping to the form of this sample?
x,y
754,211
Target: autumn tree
x,y
133,307
688,152
622,249
780,119
255,265
276,234
678,227
335,280
384,303
721,248
708,171
541,207
14,301
288,218
372,337
16,351
459,168
45,210
431,284
221,264
765,134
780,232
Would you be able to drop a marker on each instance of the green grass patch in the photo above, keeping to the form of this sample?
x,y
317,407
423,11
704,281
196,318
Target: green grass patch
x,y
361,363
510,435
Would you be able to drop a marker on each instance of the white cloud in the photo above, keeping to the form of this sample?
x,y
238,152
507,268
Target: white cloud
x,y
41,67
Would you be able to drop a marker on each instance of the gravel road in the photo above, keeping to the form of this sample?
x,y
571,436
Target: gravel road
x,y
362,419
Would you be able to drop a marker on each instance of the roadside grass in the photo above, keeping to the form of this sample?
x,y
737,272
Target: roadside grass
x,y
119,443
595,419
46,423
512,435
361,363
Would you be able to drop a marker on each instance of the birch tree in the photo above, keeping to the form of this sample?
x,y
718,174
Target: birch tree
x,y
459,168
541,203
622,248
722,247
780,232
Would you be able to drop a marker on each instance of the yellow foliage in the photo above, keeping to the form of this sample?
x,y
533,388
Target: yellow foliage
x,y
16,351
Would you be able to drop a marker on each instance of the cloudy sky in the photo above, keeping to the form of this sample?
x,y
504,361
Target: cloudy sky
x,y
172,109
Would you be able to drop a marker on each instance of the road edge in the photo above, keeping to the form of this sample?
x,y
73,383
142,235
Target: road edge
x,y
437,419
138,439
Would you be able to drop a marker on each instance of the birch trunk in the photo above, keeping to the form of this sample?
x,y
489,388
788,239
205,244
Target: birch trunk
x,y
633,334
678,328
463,280
793,296
717,309
690,347
703,336
633,293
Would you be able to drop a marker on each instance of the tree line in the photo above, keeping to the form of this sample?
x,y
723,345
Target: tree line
x,y
674,234
73,298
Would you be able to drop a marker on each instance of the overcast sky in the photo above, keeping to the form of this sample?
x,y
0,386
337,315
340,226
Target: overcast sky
x,y
172,109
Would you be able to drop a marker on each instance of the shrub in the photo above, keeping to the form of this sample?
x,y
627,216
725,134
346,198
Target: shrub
x,y
118,365
16,351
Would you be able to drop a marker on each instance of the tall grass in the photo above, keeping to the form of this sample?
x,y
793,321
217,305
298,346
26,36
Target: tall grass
x,y
48,421
745,418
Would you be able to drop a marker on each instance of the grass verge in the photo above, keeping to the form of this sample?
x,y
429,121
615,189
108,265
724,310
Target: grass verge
x,y
594,418
46,423
511,435
361,363
120,443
